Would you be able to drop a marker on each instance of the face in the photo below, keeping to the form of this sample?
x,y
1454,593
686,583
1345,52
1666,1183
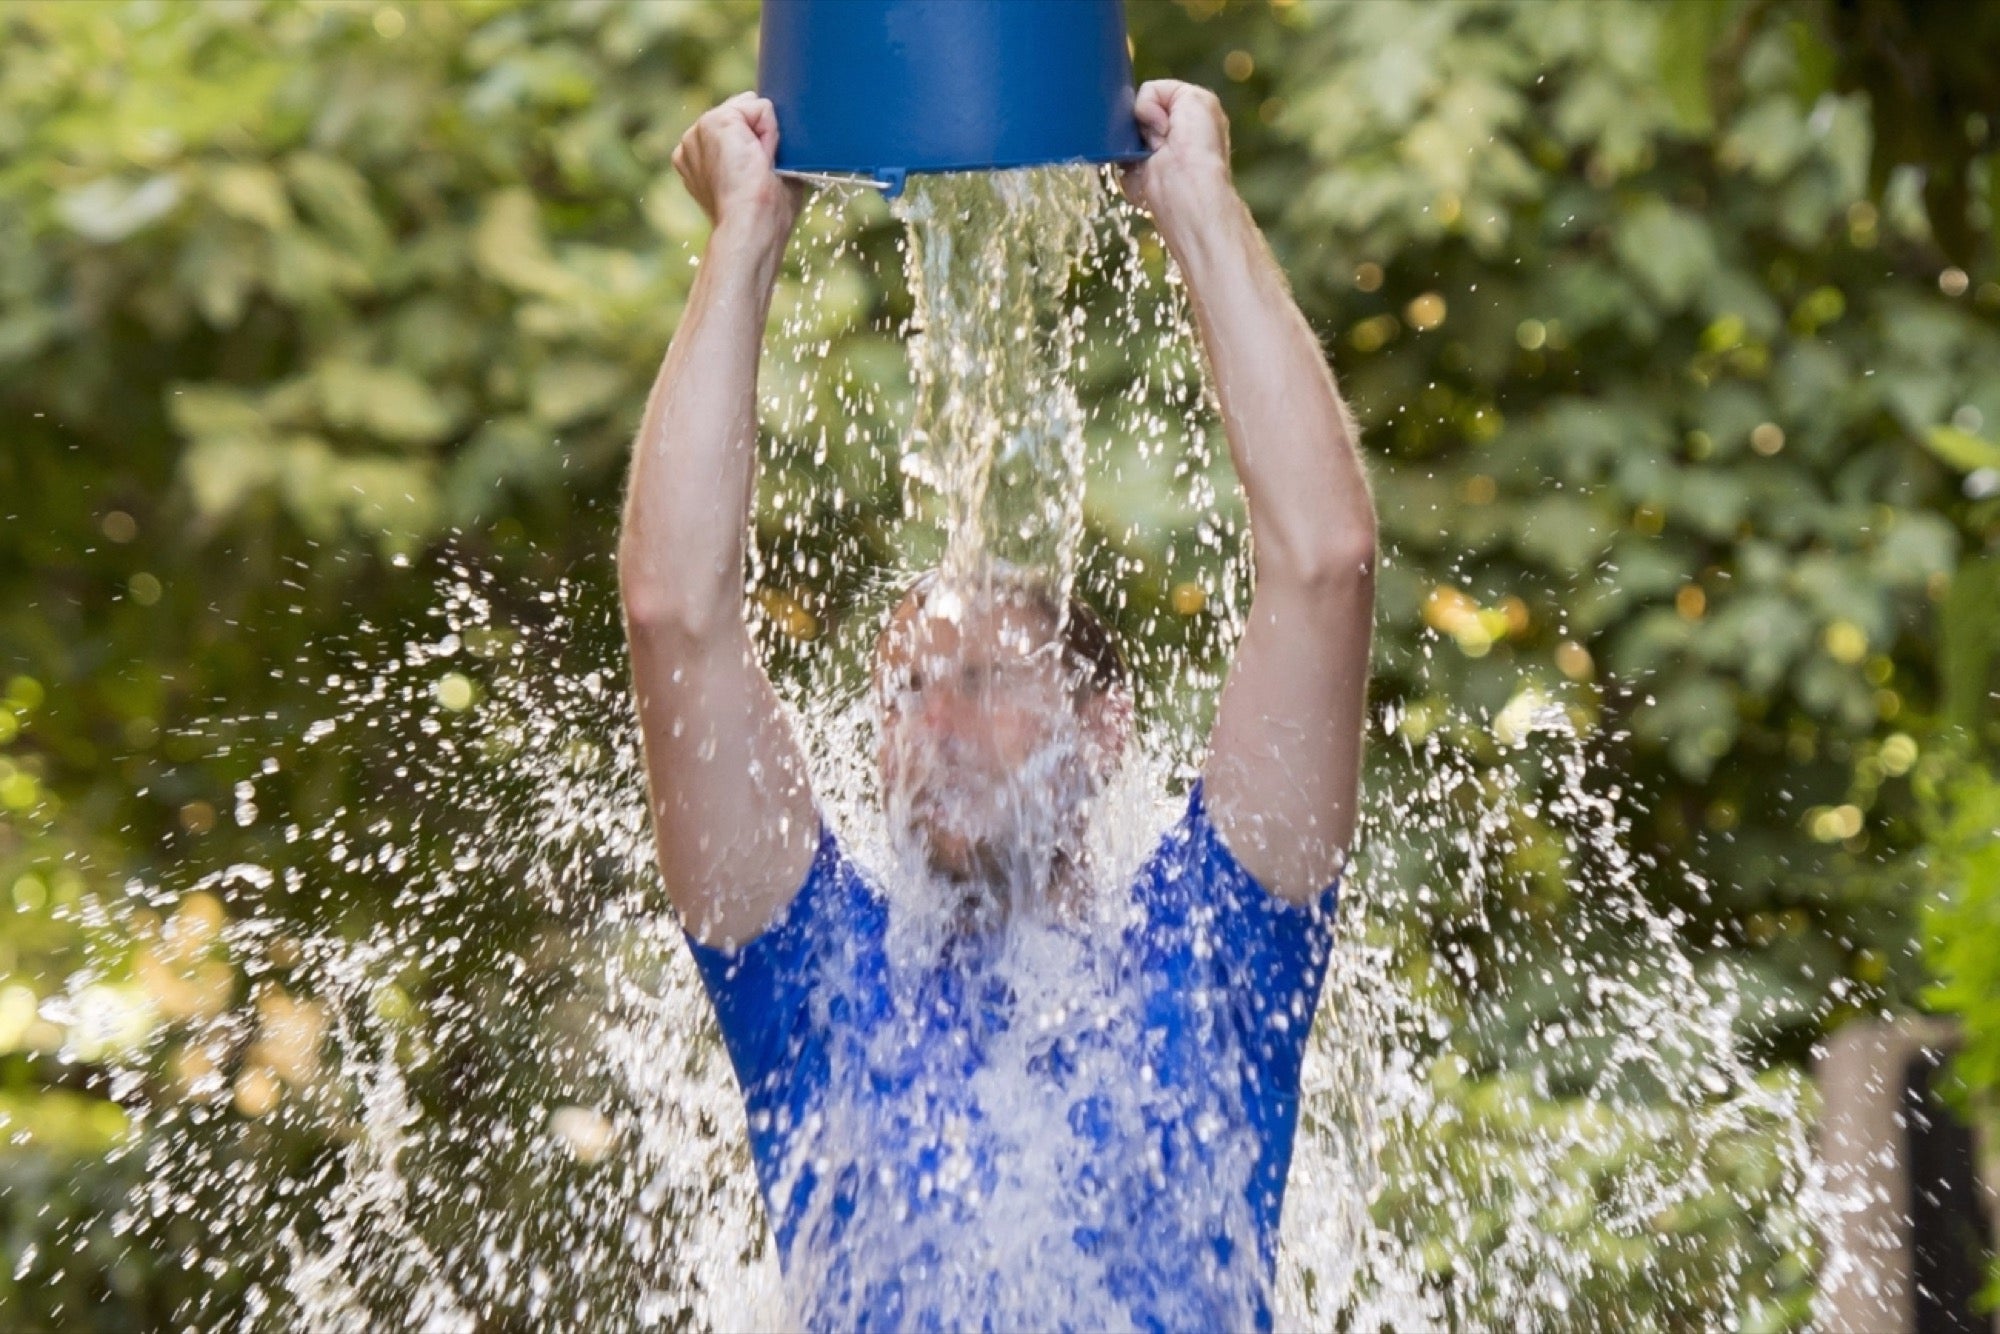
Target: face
x,y
989,746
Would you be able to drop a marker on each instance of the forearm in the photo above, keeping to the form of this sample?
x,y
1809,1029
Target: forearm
x,y
733,817
1290,437
687,511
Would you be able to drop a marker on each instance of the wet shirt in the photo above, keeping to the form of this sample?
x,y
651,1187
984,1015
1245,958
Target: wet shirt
x,y
1054,1129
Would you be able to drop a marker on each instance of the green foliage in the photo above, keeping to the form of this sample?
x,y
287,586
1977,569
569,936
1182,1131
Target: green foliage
x,y
1933,98
1671,391
1677,415
1961,922
1969,645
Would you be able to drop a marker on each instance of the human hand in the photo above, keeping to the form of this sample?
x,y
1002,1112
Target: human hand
x,y
726,160
1185,127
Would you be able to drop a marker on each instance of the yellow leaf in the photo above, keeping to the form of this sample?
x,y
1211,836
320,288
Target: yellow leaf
x,y
574,388
206,412
252,193
1962,449
223,472
508,245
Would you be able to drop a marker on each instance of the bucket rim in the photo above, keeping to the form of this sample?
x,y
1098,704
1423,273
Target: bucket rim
x,y
891,180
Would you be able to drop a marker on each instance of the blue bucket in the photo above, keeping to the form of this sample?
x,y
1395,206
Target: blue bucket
x,y
882,88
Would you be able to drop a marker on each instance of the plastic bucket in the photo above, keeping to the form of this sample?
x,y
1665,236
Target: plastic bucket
x,y
882,88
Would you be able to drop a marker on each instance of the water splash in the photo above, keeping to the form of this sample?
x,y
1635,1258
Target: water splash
x,y
1528,1077
503,1100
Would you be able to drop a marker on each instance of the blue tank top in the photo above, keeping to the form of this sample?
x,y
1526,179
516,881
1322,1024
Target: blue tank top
x,y
1062,1129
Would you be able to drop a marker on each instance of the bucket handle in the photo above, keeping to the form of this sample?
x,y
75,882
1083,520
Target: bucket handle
x,y
889,180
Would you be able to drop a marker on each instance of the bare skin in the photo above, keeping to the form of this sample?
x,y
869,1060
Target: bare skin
x,y
733,815
1284,760
977,691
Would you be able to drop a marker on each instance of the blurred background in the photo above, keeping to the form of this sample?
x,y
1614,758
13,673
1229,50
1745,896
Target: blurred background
x,y
1673,330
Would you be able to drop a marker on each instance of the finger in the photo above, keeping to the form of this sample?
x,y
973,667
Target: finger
x,y
1132,184
762,118
730,111
1150,111
1151,103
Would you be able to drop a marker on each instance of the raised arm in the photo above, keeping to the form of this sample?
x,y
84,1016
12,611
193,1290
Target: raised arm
x,y
1283,769
733,815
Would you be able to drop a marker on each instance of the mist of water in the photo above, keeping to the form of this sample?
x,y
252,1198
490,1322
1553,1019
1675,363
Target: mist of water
x,y
504,1101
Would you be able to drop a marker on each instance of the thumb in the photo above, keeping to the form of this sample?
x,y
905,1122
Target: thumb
x,y
1132,183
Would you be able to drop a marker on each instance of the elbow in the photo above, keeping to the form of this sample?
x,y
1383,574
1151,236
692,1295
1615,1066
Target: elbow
x,y
670,606
1352,558
654,617
1338,562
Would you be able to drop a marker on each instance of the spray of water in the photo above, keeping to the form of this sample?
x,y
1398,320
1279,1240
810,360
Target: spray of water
x,y
504,1101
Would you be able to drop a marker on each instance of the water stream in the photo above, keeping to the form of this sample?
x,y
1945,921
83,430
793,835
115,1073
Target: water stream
x,y
503,1105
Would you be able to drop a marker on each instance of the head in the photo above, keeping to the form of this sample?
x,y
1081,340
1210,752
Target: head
x,y
1003,710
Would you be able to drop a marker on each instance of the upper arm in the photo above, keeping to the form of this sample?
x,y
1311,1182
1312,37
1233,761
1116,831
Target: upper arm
x,y
1284,763
1283,771
732,806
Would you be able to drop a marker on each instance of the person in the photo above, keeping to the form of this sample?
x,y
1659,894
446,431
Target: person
x,y
1129,1171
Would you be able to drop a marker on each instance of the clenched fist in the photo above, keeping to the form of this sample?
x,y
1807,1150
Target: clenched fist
x,y
726,160
1188,171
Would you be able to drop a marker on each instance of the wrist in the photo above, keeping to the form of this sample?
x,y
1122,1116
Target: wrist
x,y
1191,195
749,243
1204,222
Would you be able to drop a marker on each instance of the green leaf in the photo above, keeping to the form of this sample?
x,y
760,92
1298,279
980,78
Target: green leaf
x,y
513,451
382,401
1564,532
1761,634
336,198
1969,641
573,388
1696,716
223,472
1916,547
1688,31
1769,138
218,275
392,499
1669,250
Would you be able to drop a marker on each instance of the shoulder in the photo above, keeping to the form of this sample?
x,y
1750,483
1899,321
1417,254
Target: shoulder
x,y
1198,914
833,896
1193,881
828,934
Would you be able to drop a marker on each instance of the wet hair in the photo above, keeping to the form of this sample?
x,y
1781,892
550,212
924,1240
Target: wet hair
x,y
1089,649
